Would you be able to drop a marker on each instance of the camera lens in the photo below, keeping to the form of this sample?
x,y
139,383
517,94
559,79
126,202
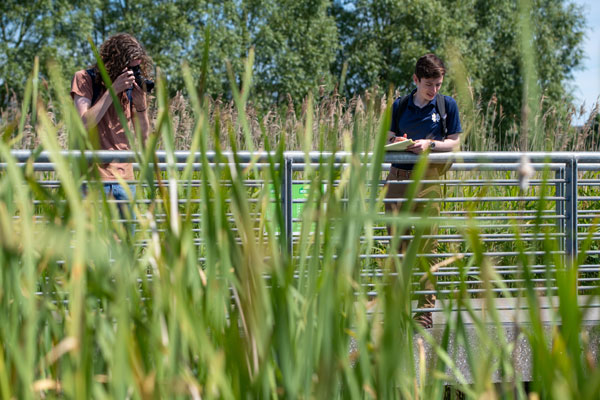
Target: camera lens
x,y
149,85
137,73
139,79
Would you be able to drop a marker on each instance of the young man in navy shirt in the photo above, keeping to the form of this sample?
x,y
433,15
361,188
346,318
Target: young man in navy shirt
x,y
417,117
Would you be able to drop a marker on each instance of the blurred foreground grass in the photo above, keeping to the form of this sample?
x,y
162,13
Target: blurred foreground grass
x,y
224,311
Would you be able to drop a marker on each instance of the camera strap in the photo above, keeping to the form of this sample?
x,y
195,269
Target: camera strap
x,y
96,88
129,96
95,85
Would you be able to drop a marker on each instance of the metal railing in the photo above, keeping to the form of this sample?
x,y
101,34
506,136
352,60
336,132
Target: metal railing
x,y
561,204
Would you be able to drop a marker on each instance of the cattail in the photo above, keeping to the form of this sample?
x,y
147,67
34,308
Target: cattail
x,y
525,172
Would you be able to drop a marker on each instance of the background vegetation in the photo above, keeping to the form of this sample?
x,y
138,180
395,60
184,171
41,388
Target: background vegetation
x,y
203,300
313,45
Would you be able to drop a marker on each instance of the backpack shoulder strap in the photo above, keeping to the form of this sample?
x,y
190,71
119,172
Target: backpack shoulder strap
x,y
441,107
400,107
95,86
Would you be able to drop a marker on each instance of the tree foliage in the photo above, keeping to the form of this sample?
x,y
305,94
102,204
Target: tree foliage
x,y
303,44
295,41
49,29
383,38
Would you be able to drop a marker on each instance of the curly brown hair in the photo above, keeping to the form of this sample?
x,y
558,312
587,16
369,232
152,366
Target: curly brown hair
x,y
118,51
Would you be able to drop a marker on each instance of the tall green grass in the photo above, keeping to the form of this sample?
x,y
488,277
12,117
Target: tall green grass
x,y
214,306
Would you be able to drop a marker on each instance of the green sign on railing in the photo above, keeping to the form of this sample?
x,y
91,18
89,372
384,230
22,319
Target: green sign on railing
x,y
300,194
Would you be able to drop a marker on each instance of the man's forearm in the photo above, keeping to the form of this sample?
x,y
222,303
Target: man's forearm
x,y
143,122
94,114
449,144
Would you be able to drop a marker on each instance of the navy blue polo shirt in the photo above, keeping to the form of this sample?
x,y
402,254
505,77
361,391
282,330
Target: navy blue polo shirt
x,y
424,123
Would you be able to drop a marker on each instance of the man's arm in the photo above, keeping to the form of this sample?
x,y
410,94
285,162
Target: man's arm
x,y
142,121
91,115
140,118
449,144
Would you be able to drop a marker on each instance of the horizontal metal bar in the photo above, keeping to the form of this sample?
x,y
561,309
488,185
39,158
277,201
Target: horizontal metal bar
x,y
531,217
499,290
506,281
456,166
448,255
489,236
477,199
501,308
503,167
301,157
511,272
469,212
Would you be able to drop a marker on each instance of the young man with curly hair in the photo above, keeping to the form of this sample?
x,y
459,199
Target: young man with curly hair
x,y
435,128
119,53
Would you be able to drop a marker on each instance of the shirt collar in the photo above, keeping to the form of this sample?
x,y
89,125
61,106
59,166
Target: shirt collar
x,y
412,103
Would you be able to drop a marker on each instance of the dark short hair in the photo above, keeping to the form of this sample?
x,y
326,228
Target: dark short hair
x,y
430,66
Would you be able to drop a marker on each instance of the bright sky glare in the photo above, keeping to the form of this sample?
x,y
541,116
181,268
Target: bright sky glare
x,y
586,83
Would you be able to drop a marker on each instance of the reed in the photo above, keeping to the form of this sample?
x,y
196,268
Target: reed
x,y
214,305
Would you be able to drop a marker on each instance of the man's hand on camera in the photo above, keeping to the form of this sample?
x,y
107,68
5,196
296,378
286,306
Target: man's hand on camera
x,y
124,81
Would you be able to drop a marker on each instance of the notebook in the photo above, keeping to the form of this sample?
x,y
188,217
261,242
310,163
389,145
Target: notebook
x,y
399,146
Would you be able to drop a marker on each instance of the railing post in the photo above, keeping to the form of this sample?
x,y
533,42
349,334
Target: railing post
x,y
571,245
560,205
286,198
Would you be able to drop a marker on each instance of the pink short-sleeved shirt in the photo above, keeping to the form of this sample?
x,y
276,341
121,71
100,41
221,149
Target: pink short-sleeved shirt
x,y
111,135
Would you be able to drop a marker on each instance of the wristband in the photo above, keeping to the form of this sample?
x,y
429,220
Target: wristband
x,y
141,110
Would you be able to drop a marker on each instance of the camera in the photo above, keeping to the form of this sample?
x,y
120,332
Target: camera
x,y
139,79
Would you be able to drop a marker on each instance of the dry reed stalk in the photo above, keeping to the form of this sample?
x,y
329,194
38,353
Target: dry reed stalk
x,y
337,117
